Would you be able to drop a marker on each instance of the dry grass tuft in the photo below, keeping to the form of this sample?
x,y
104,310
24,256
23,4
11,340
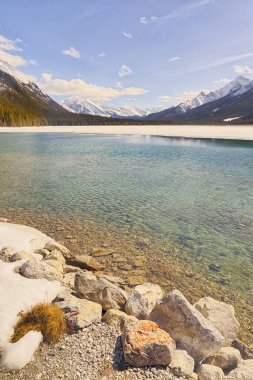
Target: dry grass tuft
x,y
47,318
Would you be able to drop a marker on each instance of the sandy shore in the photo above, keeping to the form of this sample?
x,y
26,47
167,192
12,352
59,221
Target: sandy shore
x,y
189,131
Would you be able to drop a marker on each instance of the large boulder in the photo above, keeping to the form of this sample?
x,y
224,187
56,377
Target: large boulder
x,y
40,269
210,372
227,358
243,372
79,313
143,299
182,363
99,290
144,344
85,262
222,317
52,245
118,318
187,326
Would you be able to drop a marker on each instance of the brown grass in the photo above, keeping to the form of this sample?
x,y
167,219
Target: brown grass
x,y
47,318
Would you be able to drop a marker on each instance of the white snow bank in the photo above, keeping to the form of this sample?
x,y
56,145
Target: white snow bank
x,y
22,238
20,293
16,355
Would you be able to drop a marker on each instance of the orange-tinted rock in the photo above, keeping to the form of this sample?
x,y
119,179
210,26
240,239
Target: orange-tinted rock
x,y
145,344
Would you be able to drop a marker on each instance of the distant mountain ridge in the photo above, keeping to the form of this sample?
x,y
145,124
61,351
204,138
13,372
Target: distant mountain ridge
x,y
83,105
232,101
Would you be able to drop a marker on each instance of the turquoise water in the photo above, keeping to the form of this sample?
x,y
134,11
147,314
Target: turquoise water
x,y
195,193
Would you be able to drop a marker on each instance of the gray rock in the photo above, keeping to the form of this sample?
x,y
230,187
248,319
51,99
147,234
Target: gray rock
x,y
21,256
210,372
243,372
80,313
187,326
245,351
39,269
143,299
118,318
182,363
227,358
144,344
56,255
99,290
221,316
54,245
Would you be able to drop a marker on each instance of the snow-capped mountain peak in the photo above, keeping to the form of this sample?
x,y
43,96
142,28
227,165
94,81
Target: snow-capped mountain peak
x,y
82,105
234,88
18,75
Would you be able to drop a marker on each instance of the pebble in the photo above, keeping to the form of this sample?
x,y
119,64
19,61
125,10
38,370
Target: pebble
x,y
93,354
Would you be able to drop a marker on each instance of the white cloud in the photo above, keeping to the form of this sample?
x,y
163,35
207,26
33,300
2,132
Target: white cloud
x,y
238,69
127,34
173,59
219,61
72,52
9,45
119,84
124,71
101,55
165,98
221,81
33,62
148,20
62,87
13,60
187,95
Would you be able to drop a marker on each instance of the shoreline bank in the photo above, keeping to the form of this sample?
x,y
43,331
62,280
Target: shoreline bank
x,y
176,131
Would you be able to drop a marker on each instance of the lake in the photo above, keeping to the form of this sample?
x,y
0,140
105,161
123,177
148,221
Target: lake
x,y
192,199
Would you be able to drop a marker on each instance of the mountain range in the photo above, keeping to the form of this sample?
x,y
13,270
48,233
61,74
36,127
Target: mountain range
x,y
23,103
78,104
230,104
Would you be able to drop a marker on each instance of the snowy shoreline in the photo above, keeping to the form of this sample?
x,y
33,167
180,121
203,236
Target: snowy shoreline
x,y
229,132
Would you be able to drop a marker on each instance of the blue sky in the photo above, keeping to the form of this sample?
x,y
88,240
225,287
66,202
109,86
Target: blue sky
x,y
136,52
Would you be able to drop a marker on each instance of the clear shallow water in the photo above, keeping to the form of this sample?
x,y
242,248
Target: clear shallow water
x,y
197,194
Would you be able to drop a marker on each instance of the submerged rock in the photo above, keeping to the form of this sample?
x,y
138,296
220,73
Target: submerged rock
x,y
99,290
221,316
144,344
85,262
187,326
143,299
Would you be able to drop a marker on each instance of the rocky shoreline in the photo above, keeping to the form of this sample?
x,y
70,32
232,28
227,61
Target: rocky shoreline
x,y
116,331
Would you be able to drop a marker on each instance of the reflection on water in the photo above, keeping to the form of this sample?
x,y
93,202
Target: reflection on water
x,y
196,194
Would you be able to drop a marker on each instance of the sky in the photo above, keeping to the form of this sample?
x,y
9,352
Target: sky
x,y
142,53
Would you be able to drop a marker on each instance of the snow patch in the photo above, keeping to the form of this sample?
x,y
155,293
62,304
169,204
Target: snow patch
x,y
18,293
16,355
232,118
22,238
